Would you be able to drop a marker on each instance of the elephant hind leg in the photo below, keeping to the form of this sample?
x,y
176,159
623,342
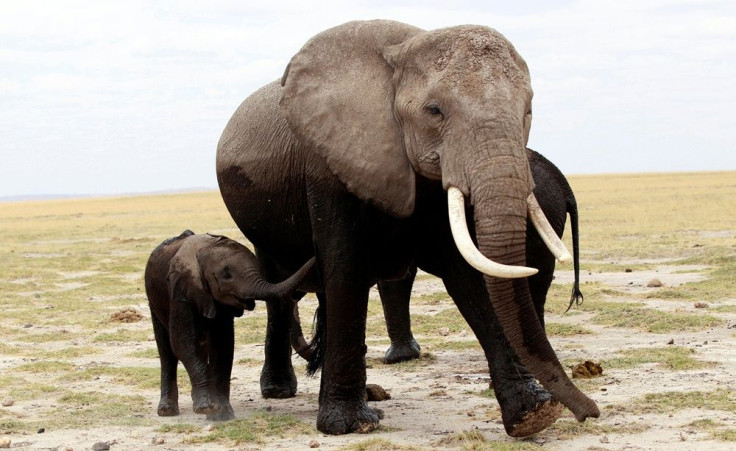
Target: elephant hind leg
x,y
395,296
169,403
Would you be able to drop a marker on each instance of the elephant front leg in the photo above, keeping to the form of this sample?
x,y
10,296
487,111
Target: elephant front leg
x,y
526,407
221,349
187,338
342,403
395,296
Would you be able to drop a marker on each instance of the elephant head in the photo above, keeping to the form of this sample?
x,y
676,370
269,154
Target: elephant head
x,y
210,268
382,101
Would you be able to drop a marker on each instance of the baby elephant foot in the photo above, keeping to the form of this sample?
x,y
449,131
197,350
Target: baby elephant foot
x,y
224,413
399,352
168,408
342,417
527,408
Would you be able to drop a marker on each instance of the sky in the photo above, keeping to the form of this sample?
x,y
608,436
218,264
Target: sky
x,y
122,97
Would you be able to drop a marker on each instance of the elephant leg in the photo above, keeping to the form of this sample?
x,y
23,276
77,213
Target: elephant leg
x,y
278,379
526,407
395,296
221,349
186,338
169,403
343,244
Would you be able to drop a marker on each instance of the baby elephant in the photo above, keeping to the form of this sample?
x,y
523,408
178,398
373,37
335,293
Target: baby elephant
x,y
196,285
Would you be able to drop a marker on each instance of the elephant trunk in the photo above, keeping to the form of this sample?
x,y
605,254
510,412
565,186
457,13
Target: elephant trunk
x,y
262,289
500,226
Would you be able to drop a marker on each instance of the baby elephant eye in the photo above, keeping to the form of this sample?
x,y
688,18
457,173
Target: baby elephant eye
x,y
225,273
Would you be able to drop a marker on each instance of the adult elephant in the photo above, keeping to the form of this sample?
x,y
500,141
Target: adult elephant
x,y
557,200
376,121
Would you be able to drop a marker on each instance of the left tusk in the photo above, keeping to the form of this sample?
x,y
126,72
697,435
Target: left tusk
x,y
550,238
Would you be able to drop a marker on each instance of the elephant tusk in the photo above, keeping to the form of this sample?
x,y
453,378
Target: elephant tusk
x,y
550,238
459,228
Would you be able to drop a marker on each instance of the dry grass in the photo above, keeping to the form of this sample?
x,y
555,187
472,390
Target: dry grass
x,y
69,264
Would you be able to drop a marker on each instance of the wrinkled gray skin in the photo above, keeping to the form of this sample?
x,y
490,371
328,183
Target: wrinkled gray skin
x,y
196,285
348,159
557,200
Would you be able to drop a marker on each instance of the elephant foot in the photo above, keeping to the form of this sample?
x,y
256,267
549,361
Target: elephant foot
x,y
399,352
343,417
278,387
224,413
167,408
203,404
527,408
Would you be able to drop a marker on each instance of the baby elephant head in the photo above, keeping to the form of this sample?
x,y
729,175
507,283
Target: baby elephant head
x,y
211,269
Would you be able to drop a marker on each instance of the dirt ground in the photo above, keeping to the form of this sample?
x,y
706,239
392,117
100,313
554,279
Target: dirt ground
x,y
441,397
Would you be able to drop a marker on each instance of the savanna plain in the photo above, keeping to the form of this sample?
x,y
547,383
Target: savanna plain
x,y
79,367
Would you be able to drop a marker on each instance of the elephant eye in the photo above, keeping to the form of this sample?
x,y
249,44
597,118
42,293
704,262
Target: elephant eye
x,y
225,273
434,110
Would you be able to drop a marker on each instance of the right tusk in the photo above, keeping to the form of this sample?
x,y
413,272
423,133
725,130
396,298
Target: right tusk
x,y
550,238
459,228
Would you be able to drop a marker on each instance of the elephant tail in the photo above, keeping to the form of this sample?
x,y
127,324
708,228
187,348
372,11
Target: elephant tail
x,y
572,209
317,345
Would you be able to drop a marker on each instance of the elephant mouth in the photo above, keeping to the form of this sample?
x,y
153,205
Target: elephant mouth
x,y
247,303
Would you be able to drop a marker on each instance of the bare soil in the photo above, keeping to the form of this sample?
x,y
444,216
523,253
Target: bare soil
x,y
437,398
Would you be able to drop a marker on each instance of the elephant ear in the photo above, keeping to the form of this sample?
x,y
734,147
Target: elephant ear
x,y
186,285
338,98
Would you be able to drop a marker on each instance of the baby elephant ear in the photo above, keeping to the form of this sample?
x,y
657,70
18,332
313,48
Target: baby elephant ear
x,y
338,99
186,285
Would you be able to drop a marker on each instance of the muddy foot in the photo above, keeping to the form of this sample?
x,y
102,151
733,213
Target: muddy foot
x,y
344,417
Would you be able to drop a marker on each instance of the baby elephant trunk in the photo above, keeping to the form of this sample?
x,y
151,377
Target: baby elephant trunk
x,y
266,290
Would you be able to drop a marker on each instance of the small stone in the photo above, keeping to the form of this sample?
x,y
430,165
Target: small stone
x,y
209,428
605,439
314,444
444,331
7,402
628,270
701,304
152,337
654,283
671,342
101,446
41,430
158,441
5,442
470,413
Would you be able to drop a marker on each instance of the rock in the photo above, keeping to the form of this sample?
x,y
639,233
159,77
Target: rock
x,y
101,446
314,444
5,442
444,331
209,428
628,270
375,392
7,402
700,304
654,283
587,370
158,441
671,342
